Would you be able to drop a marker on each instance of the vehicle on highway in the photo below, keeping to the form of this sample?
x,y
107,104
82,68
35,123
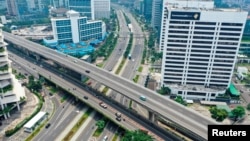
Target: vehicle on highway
x,y
144,131
118,118
129,56
103,105
85,97
87,71
118,114
110,69
89,83
143,98
75,61
48,125
105,138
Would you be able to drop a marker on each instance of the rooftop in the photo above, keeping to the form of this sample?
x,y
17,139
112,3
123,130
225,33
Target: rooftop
x,y
233,90
34,120
197,88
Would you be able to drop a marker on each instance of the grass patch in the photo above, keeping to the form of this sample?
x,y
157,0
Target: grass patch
x,y
77,125
85,80
105,90
63,98
115,137
20,76
38,129
53,90
130,104
136,78
97,132
100,65
140,69
120,66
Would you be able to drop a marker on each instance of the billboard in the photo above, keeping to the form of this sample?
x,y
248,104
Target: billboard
x,y
185,15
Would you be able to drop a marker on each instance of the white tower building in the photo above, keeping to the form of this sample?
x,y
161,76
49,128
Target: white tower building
x,y
200,46
11,90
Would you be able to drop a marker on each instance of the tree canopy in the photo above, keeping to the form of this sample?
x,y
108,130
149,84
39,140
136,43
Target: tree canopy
x,y
238,112
218,114
100,124
136,136
248,106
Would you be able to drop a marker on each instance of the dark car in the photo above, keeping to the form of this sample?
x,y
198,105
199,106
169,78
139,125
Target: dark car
x,y
85,97
48,125
118,119
87,71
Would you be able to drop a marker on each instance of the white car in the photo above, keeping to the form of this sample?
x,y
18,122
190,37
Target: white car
x,y
105,138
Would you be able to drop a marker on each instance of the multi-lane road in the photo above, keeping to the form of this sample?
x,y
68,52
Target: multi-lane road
x,y
158,104
93,101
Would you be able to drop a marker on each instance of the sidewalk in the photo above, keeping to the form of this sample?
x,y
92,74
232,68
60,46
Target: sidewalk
x,y
27,109
71,125
85,124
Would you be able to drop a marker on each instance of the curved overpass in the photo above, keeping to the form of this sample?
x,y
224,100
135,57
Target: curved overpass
x,y
156,103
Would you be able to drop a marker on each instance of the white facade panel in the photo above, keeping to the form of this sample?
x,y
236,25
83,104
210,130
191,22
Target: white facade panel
x,y
199,49
74,29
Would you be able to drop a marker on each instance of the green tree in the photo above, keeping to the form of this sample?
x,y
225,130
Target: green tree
x,y
136,136
238,112
164,90
100,124
218,114
248,106
180,100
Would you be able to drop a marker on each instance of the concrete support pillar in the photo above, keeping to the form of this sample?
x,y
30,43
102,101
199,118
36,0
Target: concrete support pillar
x,y
83,77
27,52
152,117
37,57
8,114
2,106
18,106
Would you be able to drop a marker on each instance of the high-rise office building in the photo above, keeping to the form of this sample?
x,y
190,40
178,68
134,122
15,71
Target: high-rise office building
x,y
11,90
3,4
84,7
101,9
200,47
12,7
147,10
156,14
73,28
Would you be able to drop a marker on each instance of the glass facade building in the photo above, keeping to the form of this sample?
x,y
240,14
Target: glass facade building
x,y
84,7
73,28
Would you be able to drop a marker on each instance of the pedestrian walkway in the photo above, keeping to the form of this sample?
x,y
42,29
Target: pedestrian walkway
x,y
27,108
85,124
71,125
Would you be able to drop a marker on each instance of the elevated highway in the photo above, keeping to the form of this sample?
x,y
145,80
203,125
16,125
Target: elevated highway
x,y
158,105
